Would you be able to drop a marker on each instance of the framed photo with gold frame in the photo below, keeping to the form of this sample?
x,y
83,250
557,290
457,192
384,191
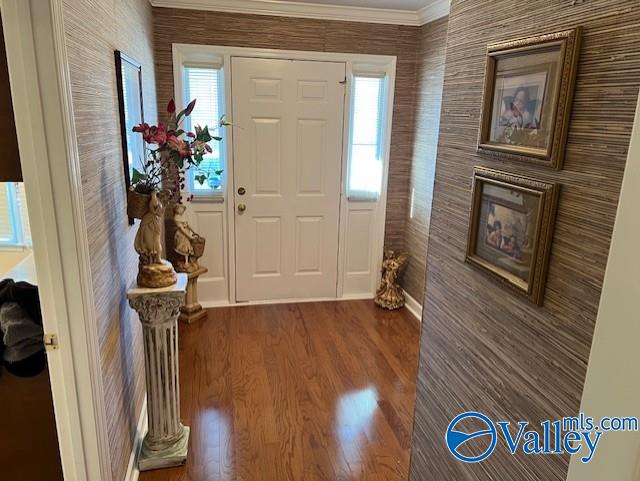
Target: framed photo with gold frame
x,y
510,229
528,89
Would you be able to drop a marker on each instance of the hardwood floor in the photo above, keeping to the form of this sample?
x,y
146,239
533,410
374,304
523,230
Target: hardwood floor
x,y
298,392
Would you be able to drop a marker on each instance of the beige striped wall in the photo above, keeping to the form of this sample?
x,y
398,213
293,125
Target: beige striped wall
x,y
94,28
430,76
534,359
483,347
127,25
257,31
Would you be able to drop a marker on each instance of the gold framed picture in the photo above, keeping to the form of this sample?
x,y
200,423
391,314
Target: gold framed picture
x,y
510,229
528,89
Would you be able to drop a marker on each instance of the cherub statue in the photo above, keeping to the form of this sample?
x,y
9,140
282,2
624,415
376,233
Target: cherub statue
x,y
148,243
184,240
389,294
153,271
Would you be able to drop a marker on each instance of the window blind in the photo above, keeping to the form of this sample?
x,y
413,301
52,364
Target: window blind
x,y
21,200
6,223
14,218
366,137
205,84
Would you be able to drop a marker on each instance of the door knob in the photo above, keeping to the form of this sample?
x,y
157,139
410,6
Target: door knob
x,y
242,207
241,191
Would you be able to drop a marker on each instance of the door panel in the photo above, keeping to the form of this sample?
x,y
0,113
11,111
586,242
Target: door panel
x,y
309,240
267,158
312,150
288,159
267,241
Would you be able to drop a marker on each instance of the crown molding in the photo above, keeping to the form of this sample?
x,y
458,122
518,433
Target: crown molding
x,y
282,8
435,10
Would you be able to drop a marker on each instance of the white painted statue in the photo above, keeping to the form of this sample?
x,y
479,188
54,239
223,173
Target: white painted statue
x,y
184,240
153,271
148,243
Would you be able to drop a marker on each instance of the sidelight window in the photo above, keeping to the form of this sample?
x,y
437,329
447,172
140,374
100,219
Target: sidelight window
x,y
206,85
366,139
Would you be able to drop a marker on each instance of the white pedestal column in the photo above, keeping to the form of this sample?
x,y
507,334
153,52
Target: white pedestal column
x,y
192,311
166,442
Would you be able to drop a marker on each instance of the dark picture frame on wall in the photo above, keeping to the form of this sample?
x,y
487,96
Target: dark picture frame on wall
x,y
528,90
511,224
131,108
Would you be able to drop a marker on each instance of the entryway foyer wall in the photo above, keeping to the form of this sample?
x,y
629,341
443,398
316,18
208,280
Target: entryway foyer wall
x,y
257,31
514,337
93,30
484,348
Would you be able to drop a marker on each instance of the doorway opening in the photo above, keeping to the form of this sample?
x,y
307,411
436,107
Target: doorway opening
x,y
299,211
28,418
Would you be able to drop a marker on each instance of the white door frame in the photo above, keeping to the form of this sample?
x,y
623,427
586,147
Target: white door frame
x,y
214,55
41,92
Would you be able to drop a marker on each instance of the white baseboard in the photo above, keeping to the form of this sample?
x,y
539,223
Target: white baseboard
x,y
346,297
132,468
413,306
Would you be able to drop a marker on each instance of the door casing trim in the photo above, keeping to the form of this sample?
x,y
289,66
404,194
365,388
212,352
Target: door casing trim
x,y
43,110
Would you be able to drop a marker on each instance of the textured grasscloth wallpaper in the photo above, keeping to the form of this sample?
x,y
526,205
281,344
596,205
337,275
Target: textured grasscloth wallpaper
x,y
430,75
257,31
484,348
94,28
534,359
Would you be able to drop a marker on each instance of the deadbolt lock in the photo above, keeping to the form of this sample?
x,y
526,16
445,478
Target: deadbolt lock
x,y
242,207
242,191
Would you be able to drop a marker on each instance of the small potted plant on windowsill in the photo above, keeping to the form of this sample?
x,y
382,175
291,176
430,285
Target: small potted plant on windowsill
x,y
162,176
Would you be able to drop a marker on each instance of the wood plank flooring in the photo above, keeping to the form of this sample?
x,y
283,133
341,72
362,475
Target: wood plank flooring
x,y
298,392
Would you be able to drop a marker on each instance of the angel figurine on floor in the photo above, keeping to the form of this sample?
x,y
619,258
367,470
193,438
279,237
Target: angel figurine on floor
x,y
390,295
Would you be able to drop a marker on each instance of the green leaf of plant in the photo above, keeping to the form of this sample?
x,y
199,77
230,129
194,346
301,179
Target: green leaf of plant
x,y
138,176
203,134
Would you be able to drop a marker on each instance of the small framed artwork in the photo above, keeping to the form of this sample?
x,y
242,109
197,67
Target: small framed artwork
x,y
129,83
528,90
511,228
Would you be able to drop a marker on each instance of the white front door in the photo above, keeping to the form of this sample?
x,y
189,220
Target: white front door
x,y
287,174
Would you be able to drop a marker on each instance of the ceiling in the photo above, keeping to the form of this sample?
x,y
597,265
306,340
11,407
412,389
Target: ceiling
x,y
397,12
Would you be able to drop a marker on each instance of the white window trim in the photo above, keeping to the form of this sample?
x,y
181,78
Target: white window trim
x,y
193,58
362,64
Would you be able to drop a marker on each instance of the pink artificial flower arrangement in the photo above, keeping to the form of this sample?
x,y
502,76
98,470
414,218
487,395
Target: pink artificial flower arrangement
x,y
175,152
